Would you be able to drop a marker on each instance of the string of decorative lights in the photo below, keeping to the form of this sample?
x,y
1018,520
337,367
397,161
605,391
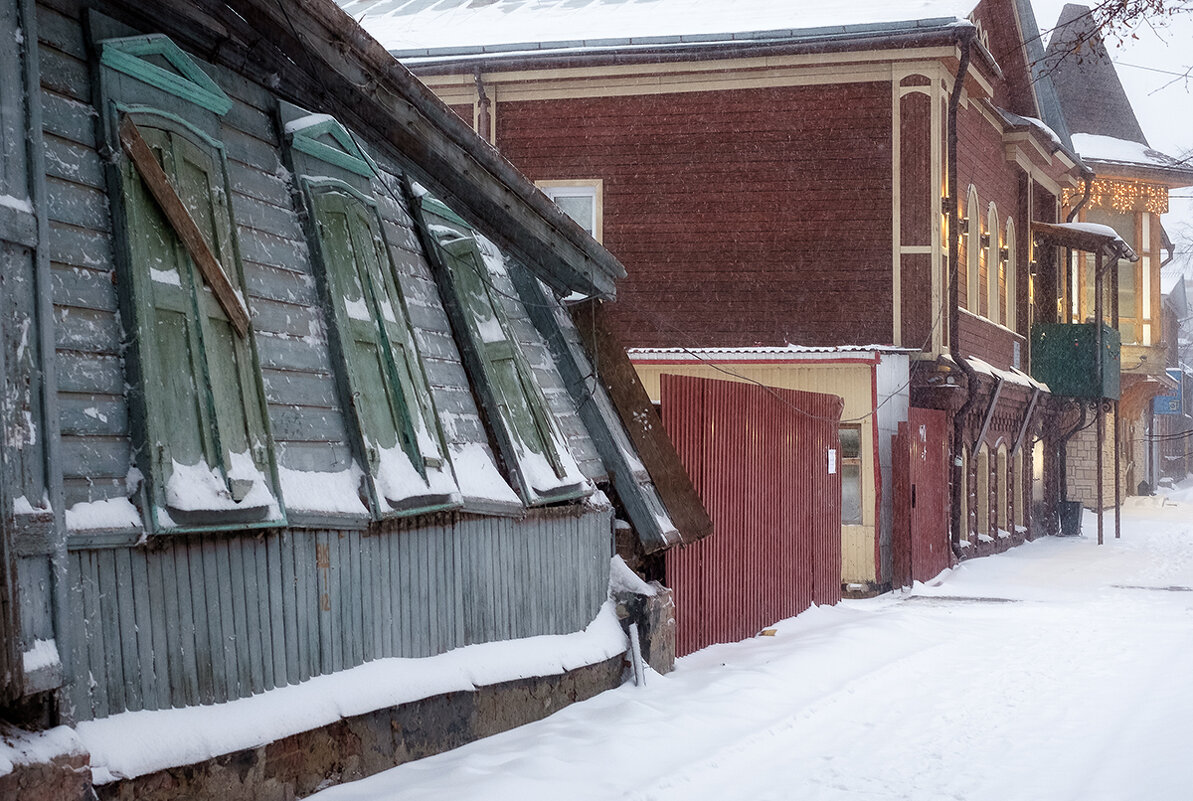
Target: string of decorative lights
x,y
1123,196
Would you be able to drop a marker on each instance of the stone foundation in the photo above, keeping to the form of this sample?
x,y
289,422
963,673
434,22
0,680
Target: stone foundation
x,y
349,749
47,766
360,746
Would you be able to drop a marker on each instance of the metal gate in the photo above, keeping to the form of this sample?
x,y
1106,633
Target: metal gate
x,y
921,502
764,461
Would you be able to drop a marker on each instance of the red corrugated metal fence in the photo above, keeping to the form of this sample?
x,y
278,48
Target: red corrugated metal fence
x,y
759,458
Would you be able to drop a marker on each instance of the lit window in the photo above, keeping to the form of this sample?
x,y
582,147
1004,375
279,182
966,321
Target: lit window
x,y
1128,308
973,250
993,263
1012,286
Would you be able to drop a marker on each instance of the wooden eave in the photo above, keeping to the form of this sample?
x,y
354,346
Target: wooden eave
x,y
318,57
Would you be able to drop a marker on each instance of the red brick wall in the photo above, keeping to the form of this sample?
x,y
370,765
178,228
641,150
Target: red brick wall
x,y
753,216
981,161
990,343
1000,20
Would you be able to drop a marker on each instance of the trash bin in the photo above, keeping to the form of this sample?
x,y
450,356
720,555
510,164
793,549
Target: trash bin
x,y
1070,518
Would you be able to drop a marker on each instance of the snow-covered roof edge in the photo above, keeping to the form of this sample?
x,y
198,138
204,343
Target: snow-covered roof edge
x,y
793,36
1110,150
1012,376
1042,129
764,352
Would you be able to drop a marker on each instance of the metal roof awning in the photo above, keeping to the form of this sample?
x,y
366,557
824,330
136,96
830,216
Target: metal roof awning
x,y
1090,237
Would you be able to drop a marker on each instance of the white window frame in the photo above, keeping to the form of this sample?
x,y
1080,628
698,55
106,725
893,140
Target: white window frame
x,y
1012,245
592,188
973,245
993,267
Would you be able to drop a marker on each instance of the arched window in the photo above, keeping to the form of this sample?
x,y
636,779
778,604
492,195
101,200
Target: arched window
x,y
973,249
982,501
993,263
1012,269
1017,486
1002,476
965,505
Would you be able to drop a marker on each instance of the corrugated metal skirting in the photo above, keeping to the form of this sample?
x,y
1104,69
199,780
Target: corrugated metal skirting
x,y
205,619
759,458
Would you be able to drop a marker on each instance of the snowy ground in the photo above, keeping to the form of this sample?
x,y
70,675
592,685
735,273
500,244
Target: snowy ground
x,y
1059,670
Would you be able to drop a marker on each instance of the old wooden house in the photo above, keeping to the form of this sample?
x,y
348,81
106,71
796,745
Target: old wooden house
x,y
288,384
814,174
1129,194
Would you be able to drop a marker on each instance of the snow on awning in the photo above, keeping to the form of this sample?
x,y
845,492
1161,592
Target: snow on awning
x,y
1090,237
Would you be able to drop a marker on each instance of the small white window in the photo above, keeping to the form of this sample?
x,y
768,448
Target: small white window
x,y
580,200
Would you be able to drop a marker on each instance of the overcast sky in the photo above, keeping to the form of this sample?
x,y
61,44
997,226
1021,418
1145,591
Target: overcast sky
x,y
1152,69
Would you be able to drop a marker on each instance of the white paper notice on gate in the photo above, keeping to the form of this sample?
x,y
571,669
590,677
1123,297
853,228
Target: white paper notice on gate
x,y
832,461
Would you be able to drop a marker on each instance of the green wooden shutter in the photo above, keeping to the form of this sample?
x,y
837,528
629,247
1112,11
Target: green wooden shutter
x,y
205,430
529,436
385,388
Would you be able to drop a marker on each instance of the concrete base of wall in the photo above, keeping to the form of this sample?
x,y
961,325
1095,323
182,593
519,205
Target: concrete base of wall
x,y
863,589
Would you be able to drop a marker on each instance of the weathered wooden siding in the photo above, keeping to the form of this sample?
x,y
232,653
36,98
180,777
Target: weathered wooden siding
x,y
757,216
288,320
93,417
198,619
207,619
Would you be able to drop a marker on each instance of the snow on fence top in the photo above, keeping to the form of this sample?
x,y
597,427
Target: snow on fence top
x,y
416,27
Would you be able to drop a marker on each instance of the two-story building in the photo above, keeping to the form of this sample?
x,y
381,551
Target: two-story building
x,y
815,175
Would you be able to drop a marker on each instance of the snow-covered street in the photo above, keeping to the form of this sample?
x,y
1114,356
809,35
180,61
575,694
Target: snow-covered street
x,y
1058,670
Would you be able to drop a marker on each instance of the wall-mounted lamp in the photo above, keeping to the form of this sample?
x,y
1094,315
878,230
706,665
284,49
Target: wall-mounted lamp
x,y
1004,253
986,239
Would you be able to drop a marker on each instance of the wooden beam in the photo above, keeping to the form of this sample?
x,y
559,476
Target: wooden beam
x,y
184,225
642,423
989,413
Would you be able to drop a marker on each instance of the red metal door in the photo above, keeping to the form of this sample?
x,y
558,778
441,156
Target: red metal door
x,y
921,502
759,457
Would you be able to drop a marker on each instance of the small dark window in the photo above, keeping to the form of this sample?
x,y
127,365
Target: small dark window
x,y
851,474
